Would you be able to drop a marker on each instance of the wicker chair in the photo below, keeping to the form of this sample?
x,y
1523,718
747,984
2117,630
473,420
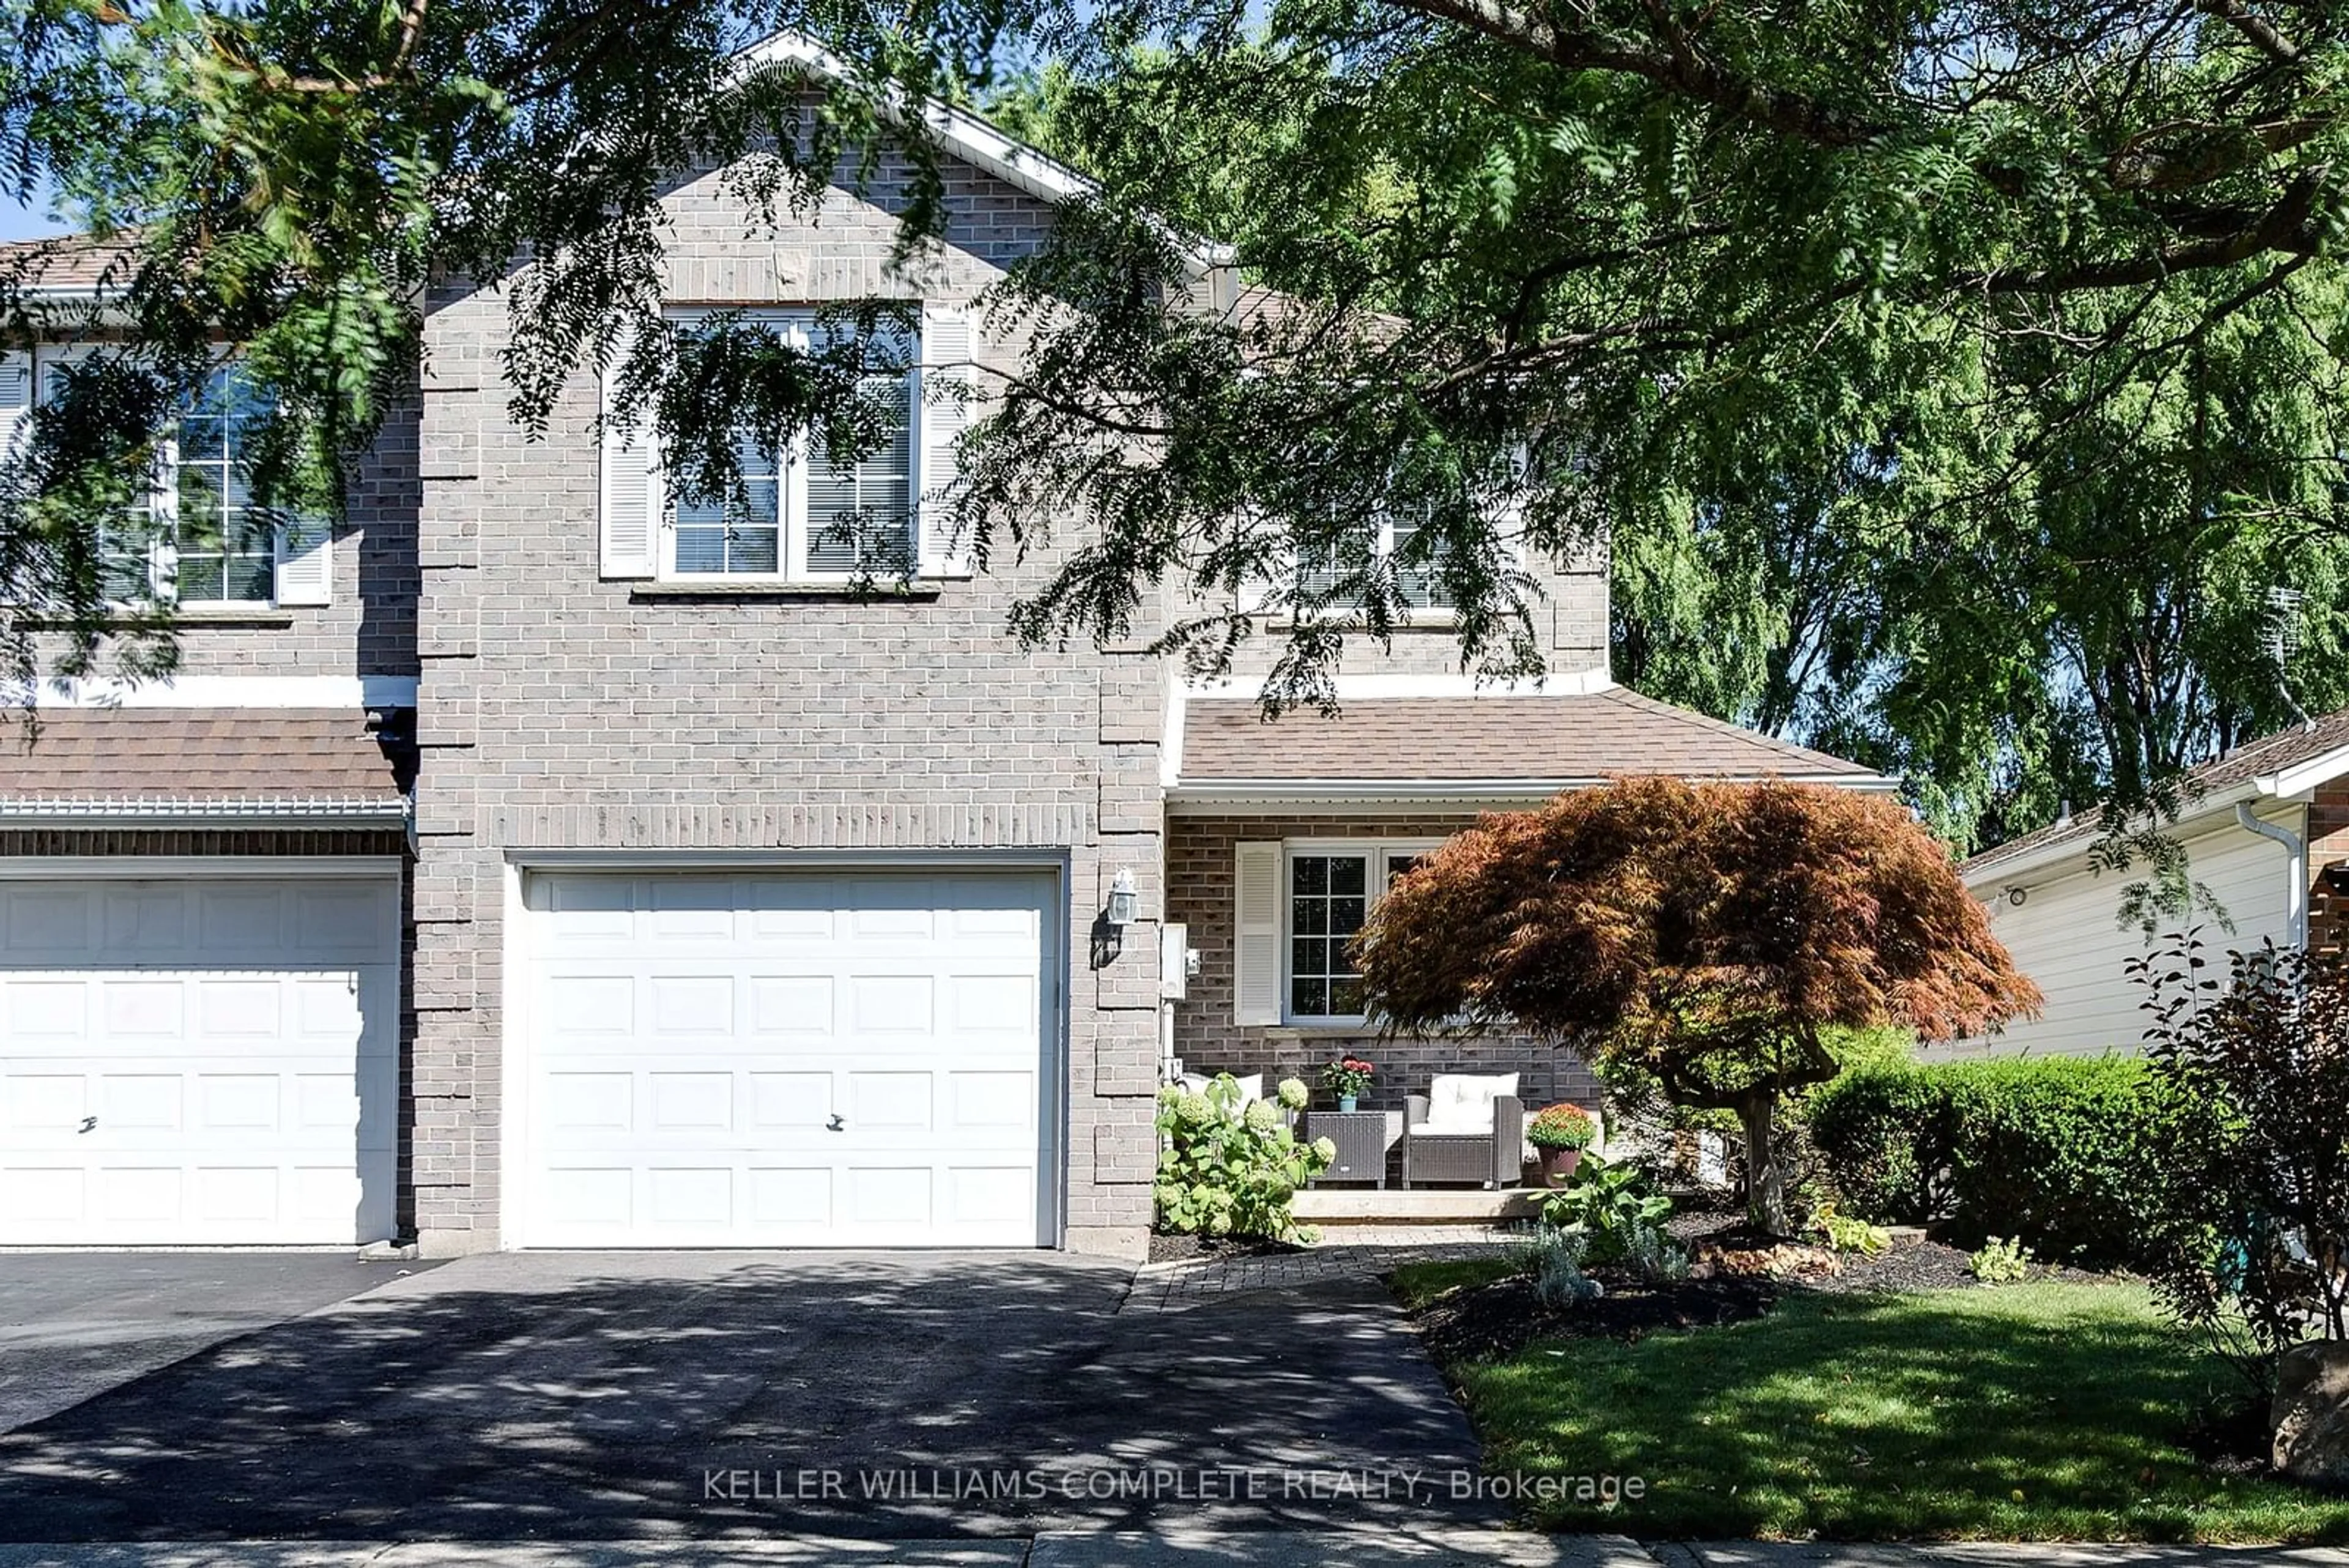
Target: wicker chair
x,y
1494,1158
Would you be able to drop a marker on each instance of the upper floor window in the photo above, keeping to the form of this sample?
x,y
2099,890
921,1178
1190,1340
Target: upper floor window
x,y
801,517
1419,586
197,537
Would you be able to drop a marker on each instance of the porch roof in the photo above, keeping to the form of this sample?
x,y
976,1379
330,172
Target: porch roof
x,y
1482,749
101,764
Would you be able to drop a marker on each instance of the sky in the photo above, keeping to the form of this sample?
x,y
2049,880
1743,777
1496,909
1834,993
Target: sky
x,y
19,222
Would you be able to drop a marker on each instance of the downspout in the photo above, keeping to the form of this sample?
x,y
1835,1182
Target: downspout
x,y
2294,845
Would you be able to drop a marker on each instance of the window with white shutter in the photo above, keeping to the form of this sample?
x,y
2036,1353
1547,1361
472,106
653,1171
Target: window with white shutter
x,y
197,537
799,517
942,388
1296,908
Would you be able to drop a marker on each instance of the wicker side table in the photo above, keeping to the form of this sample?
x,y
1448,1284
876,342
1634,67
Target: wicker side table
x,y
1362,1140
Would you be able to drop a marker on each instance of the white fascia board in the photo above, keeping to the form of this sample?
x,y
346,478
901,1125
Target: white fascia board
x,y
1371,688
970,138
2301,777
235,692
1170,744
2003,873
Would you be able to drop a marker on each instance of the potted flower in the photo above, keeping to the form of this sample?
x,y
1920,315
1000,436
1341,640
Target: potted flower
x,y
1347,1077
1559,1134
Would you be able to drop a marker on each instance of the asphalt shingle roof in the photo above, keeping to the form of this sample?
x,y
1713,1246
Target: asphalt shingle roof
x,y
148,754
2254,759
1437,739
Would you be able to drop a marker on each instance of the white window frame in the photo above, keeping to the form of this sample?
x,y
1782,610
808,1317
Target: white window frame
x,y
1380,855
792,463
162,504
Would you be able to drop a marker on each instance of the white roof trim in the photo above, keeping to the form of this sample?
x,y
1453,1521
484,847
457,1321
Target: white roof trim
x,y
235,692
968,138
1589,682
2002,872
2301,777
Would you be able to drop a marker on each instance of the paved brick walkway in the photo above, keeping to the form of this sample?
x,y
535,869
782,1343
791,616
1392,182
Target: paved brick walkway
x,y
1344,1253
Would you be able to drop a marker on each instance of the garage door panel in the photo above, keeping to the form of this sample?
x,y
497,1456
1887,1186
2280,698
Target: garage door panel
x,y
909,1006
208,1070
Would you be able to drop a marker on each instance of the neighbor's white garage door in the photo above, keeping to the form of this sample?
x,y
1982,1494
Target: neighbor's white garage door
x,y
202,1060
837,1059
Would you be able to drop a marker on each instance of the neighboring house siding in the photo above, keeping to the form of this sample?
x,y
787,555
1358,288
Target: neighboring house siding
x,y
563,712
1200,852
2067,937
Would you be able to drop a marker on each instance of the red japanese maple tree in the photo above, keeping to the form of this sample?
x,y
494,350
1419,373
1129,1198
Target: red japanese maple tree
x,y
1707,933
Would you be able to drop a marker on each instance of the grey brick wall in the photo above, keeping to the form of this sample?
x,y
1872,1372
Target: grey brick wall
x,y
1199,861
559,710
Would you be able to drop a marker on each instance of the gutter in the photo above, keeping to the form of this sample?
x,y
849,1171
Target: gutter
x,y
99,811
2295,849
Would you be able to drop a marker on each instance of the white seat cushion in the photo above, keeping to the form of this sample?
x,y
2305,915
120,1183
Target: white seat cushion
x,y
1460,1105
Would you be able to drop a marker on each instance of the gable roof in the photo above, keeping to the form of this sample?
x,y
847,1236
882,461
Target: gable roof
x,y
2286,762
1475,747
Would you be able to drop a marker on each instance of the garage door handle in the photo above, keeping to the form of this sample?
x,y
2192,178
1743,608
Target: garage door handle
x,y
836,1125
89,1124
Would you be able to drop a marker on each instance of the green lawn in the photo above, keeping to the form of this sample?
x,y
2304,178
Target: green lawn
x,y
2026,1412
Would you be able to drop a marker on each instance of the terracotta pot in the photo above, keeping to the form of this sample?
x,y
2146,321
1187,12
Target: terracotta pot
x,y
1557,1164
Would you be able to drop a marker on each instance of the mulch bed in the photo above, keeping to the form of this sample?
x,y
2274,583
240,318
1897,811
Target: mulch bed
x,y
1166,1249
1738,1275
1483,1321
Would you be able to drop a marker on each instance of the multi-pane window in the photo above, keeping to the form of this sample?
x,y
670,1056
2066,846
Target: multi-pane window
x,y
223,548
799,517
1329,899
196,534
1331,893
860,517
736,534
1417,585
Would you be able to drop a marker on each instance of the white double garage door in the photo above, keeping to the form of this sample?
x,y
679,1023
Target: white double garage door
x,y
818,1058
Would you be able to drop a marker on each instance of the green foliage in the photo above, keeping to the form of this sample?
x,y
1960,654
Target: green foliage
x,y
1555,1260
1924,424
2001,1262
1229,1169
1617,1206
1848,1232
2248,1253
2069,1154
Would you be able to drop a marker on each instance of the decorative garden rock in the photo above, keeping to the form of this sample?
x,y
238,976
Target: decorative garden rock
x,y
2311,1413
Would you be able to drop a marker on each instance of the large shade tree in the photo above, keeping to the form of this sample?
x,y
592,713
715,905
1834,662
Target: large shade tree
x,y
1956,380
1710,935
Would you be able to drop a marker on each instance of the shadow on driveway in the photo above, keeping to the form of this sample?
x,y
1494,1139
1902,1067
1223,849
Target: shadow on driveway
x,y
602,1395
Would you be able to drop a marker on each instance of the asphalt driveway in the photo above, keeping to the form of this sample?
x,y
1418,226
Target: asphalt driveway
x,y
73,1325
602,1395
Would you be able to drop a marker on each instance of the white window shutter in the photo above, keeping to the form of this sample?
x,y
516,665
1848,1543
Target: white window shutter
x,y
940,416
15,401
632,499
306,561
1256,934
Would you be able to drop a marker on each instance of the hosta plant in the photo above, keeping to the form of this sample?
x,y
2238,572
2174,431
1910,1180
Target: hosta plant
x,y
1229,1168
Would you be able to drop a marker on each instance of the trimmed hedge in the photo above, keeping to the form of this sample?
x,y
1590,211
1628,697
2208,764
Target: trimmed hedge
x,y
2068,1153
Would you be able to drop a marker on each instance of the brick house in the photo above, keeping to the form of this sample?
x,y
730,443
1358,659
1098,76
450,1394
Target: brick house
x,y
2266,833
537,863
